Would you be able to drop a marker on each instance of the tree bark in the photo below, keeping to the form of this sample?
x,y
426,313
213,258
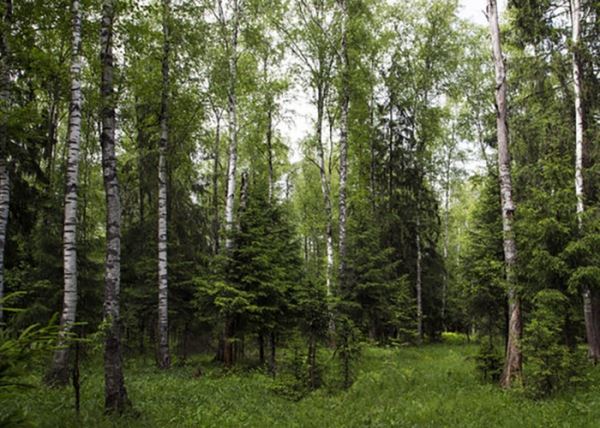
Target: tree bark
x,y
115,394
446,231
591,307
233,131
272,354
345,101
215,183
269,134
261,349
5,85
419,279
512,372
164,358
60,366
325,187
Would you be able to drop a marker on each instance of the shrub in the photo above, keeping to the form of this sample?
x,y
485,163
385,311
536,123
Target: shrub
x,y
489,362
550,364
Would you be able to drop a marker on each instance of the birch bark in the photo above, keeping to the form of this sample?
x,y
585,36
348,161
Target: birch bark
x,y
343,145
513,365
115,394
233,128
591,305
322,89
5,84
215,183
164,359
60,370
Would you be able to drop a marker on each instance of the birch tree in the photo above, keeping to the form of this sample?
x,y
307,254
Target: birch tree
x,y
115,394
513,364
591,311
4,107
310,44
345,101
164,359
233,123
60,370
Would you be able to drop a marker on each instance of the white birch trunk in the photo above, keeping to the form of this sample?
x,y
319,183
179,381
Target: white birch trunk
x,y
579,190
446,232
215,183
591,311
321,94
4,108
513,364
60,370
233,129
115,394
343,146
269,134
164,359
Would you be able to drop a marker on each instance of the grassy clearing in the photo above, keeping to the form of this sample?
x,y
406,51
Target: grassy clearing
x,y
433,386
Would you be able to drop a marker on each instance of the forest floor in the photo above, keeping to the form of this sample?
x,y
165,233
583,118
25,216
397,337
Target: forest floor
x,y
431,386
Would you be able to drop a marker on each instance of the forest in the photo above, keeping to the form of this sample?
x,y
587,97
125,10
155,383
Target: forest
x,y
299,213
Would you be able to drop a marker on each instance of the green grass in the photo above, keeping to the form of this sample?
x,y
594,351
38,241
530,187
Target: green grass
x,y
432,386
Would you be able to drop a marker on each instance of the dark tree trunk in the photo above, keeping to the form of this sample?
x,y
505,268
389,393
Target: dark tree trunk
x,y
261,349
116,399
312,362
272,356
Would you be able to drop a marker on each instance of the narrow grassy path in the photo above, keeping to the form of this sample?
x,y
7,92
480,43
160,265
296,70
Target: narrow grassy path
x,y
433,386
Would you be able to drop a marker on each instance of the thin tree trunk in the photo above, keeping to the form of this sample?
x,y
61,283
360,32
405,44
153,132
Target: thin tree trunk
x,y
311,361
261,349
372,160
49,151
325,188
590,309
512,372
272,354
446,232
140,138
164,358
244,183
215,179
60,366
232,106
115,394
343,146
269,136
228,332
5,84
419,279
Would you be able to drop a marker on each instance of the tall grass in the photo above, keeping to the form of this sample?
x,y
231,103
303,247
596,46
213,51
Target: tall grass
x,y
431,386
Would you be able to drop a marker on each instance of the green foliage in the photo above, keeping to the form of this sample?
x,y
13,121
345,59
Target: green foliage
x,y
384,304
420,89
348,347
549,363
19,352
489,362
482,260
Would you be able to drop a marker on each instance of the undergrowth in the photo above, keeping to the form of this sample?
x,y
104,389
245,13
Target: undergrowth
x,y
431,386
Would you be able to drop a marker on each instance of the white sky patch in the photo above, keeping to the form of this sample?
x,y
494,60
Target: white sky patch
x,y
474,10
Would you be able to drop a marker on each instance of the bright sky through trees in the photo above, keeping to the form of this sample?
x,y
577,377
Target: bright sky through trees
x,y
297,124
